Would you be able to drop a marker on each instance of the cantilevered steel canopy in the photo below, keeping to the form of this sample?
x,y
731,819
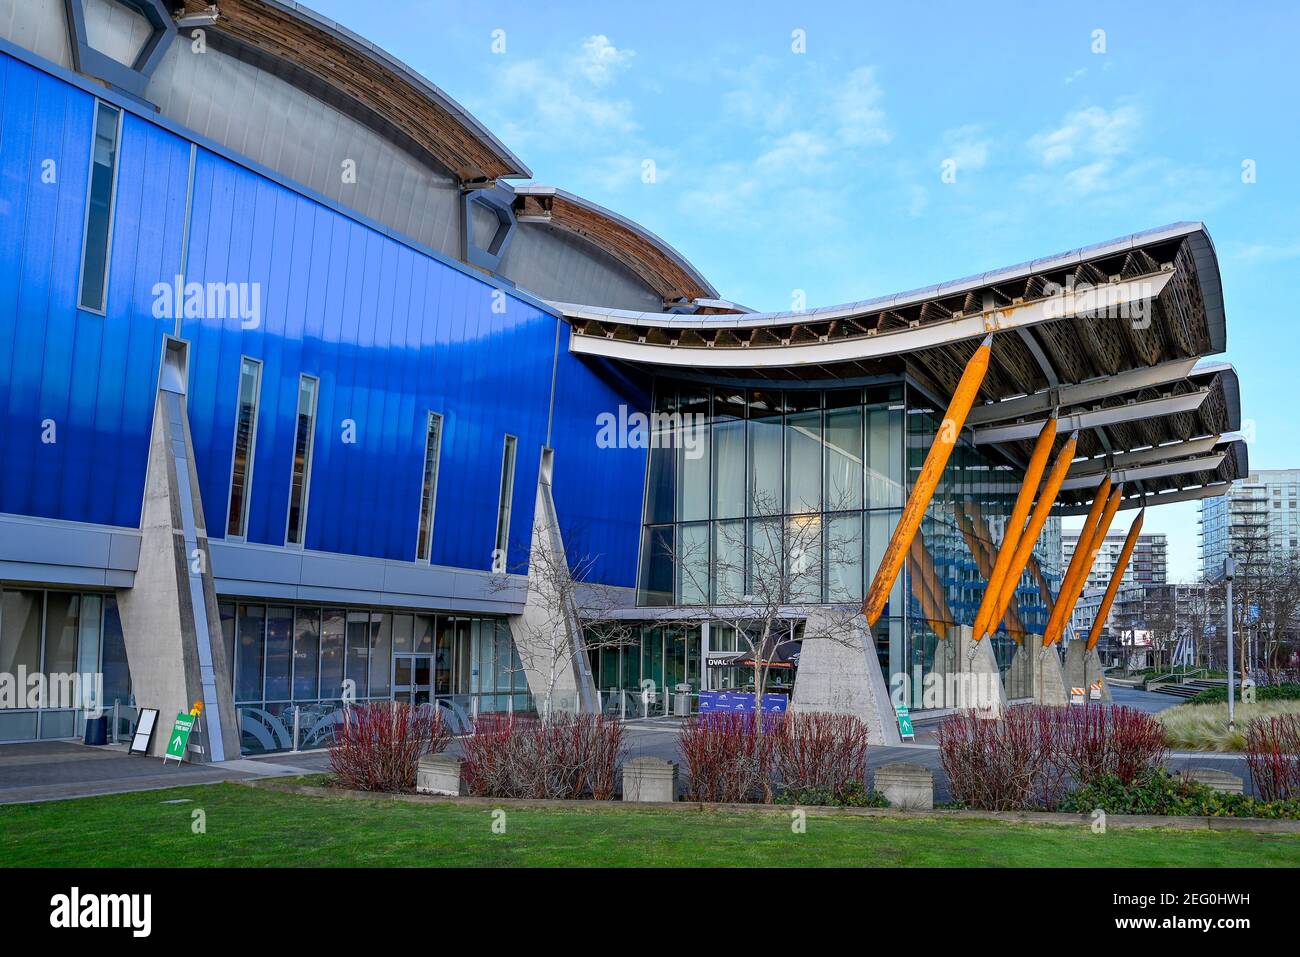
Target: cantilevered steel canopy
x,y
1108,336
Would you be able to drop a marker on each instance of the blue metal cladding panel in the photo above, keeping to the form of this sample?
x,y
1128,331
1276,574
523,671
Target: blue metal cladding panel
x,y
92,376
391,334
598,491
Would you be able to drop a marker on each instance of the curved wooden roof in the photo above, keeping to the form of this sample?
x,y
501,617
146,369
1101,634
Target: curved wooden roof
x,y
372,78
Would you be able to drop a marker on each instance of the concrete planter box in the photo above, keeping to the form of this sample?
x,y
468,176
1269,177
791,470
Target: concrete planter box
x,y
439,774
650,780
907,786
1221,781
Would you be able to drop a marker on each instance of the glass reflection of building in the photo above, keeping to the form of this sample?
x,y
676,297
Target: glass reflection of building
x,y
845,459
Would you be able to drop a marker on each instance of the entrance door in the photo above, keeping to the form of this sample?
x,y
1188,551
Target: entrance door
x,y
412,678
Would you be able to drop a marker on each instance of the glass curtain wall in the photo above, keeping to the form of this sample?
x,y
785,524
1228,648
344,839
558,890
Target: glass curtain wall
x,y
73,640
748,485
959,539
306,656
656,666
830,469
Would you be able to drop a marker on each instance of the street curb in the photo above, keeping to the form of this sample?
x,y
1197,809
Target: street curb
x,y
1121,821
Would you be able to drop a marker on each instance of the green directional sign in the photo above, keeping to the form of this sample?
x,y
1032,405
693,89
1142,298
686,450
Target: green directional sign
x,y
905,729
180,736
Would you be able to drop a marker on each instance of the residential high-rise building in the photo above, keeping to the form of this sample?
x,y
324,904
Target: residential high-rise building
x,y
1148,566
1258,521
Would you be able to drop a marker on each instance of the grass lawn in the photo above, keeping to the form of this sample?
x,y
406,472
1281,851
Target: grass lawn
x,y
250,827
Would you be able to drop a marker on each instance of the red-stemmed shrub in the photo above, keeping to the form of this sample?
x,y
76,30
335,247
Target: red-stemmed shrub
x,y
565,757
1002,764
1026,758
1273,756
378,746
726,760
820,752
1098,740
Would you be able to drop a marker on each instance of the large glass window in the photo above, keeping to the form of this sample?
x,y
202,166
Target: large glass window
x,y
332,653
241,471
279,652
20,631
302,442
358,657
381,658
250,652
429,486
766,441
504,503
306,654
98,236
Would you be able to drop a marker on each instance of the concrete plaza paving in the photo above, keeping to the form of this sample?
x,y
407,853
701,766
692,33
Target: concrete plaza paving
x,y
55,770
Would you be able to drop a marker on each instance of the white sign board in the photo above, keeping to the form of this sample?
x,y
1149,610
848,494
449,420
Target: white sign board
x,y
143,731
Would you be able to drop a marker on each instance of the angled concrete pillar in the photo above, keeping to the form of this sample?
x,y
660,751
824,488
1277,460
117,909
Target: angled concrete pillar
x,y
1049,681
1083,668
1024,668
965,674
842,676
548,634
170,624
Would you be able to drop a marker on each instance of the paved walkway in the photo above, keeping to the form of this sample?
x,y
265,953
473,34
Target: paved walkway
x,y
55,770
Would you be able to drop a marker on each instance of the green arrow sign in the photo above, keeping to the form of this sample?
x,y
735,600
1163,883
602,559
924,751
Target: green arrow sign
x,y
180,736
904,722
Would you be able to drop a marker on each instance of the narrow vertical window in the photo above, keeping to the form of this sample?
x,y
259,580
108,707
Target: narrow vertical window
x,y
429,489
99,208
503,507
241,472
302,441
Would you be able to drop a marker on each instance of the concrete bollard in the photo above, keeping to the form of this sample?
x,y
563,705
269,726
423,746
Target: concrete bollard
x,y
439,774
906,785
1221,781
650,780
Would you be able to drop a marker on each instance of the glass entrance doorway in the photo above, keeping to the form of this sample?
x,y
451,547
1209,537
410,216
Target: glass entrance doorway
x,y
412,678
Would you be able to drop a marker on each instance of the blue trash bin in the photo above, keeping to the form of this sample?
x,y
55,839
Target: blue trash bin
x,y
97,730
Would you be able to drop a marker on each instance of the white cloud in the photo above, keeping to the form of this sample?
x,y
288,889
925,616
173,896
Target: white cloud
x,y
861,121
799,152
600,59
1088,134
544,103
967,146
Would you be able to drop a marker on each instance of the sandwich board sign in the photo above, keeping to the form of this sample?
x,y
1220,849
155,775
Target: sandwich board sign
x,y
1076,696
180,736
905,729
144,726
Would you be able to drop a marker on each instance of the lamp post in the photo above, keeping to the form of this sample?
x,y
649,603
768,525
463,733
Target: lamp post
x,y
1229,569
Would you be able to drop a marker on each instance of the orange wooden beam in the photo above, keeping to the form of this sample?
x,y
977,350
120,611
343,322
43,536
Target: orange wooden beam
x,y
1067,600
1025,547
1080,556
945,440
1121,565
971,521
1016,523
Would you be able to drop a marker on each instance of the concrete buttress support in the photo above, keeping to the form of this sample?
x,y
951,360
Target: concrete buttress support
x,y
843,676
548,636
170,624
1083,668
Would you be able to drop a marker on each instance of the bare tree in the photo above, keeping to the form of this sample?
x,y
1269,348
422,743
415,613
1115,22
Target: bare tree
x,y
761,568
1279,604
567,615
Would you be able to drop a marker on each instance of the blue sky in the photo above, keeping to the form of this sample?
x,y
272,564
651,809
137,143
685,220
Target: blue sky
x,y
820,171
